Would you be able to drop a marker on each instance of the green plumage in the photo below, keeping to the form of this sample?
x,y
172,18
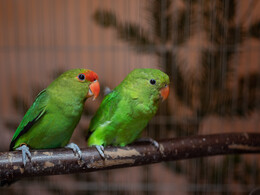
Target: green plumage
x,y
125,111
51,120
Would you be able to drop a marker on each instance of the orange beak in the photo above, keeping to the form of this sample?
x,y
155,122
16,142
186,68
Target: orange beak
x,y
165,92
94,89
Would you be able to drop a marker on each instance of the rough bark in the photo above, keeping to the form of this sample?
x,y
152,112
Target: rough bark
x,y
63,161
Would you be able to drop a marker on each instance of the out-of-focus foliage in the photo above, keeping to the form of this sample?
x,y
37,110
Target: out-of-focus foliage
x,y
195,42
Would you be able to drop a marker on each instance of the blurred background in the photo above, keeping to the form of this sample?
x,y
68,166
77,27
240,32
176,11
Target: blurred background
x,y
210,50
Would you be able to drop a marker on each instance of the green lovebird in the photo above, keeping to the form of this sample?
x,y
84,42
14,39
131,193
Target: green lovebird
x,y
126,110
51,120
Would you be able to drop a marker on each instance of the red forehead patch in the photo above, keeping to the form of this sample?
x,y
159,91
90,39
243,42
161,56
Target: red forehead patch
x,y
91,76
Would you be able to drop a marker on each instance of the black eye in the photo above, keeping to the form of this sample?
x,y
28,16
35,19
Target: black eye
x,y
81,77
152,81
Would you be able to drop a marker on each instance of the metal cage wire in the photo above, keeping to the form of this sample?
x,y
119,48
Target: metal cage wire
x,y
210,49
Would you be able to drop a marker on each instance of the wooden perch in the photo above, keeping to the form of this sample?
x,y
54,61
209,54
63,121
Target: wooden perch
x,y
63,161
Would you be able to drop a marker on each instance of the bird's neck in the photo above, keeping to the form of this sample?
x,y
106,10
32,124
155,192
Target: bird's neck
x,y
147,102
69,103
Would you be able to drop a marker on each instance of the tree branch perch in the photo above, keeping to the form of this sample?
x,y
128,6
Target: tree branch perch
x,y
63,161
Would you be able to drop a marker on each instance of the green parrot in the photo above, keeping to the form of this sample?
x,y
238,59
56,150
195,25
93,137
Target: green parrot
x,y
51,120
126,110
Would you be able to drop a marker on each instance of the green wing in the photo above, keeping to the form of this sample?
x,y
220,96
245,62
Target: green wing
x,y
105,111
35,112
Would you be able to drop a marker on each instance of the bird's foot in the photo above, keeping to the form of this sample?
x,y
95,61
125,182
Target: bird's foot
x,y
76,150
100,150
25,153
150,140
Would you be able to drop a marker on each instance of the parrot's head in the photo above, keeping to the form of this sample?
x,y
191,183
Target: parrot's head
x,y
90,78
151,82
81,83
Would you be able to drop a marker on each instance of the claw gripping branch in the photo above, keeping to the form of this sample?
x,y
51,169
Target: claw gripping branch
x,y
63,161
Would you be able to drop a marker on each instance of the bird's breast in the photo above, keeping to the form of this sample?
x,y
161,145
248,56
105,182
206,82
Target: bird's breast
x,y
67,108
